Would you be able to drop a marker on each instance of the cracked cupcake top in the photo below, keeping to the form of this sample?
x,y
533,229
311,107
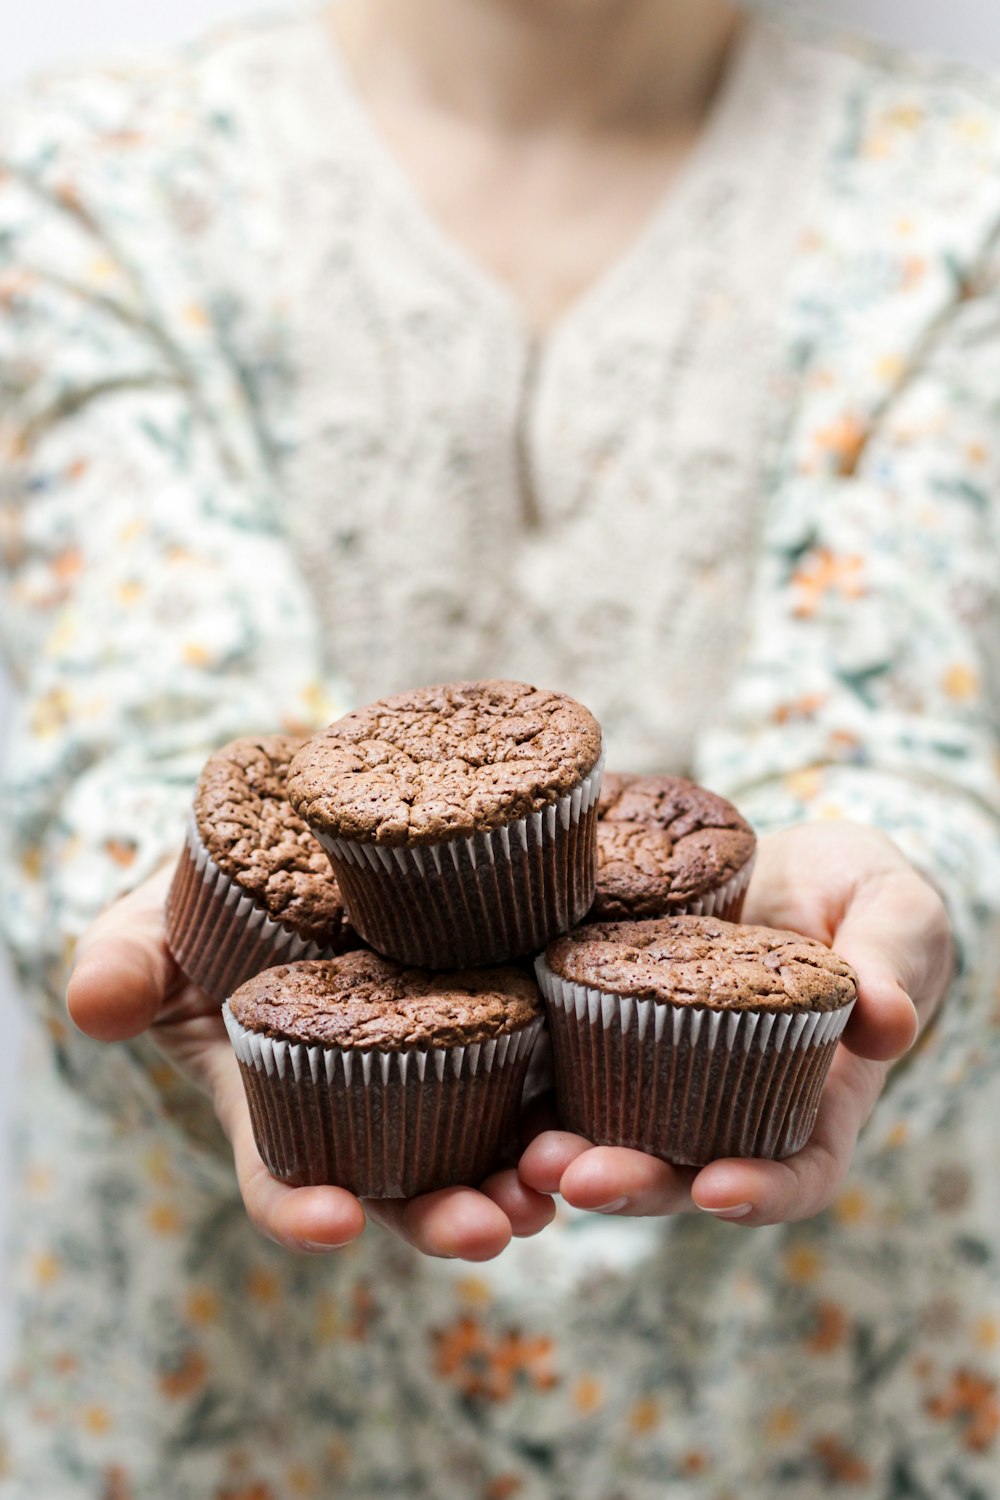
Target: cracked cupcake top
x,y
363,1001
440,762
663,841
253,834
705,962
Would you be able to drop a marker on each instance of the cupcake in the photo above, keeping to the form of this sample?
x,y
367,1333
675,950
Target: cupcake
x,y
693,1038
252,886
381,1079
460,820
667,846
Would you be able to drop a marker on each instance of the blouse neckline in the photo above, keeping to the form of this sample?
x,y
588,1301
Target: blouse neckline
x,y
716,147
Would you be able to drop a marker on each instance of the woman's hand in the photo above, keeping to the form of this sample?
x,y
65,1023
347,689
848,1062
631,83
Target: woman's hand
x,y
125,982
849,887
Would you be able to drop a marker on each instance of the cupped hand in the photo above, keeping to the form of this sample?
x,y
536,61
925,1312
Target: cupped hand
x,y
849,887
125,982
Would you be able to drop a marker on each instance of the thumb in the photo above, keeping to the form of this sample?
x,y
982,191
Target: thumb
x,y
117,987
123,970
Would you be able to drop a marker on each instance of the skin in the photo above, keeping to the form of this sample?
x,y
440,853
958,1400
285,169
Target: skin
x,y
846,885
541,135
850,888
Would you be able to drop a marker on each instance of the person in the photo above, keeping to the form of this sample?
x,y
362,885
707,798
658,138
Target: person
x,y
639,348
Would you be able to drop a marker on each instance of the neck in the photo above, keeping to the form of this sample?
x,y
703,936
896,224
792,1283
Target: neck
x,y
525,65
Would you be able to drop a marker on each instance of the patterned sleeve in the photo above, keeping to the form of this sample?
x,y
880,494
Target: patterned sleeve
x,y
151,607
871,686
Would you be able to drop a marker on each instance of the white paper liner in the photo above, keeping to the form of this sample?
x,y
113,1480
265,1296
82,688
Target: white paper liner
x,y
485,847
411,1106
458,906
717,1038
726,901
225,933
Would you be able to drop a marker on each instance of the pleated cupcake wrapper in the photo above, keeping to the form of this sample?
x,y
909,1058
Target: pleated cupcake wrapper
x,y
480,899
220,935
686,1083
725,902
382,1124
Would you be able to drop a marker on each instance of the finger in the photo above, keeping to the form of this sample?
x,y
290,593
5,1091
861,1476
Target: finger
x,y
309,1220
884,1023
527,1211
547,1157
456,1223
895,936
123,970
755,1192
118,984
616,1180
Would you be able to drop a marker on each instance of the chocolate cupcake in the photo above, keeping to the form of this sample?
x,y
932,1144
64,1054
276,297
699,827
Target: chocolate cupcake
x,y
692,1038
666,846
384,1080
252,886
460,820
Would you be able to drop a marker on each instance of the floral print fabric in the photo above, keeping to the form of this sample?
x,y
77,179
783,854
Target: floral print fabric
x,y
155,405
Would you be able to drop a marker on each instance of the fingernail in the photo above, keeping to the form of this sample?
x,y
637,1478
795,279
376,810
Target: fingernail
x,y
738,1211
610,1208
315,1247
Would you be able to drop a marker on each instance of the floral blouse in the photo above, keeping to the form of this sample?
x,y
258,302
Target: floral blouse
x,y
270,444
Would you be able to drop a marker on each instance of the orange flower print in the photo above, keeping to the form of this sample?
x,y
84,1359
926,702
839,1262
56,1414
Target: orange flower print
x,y
986,1331
116,1484
67,564
47,1268
975,1402
799,709
503,1487
961,682
843,442
824,572
202,1306
51,712
262,1286
164,1218
121,852
914,269
362,1313
829,1330
840,1465
186,1378
257,1491
489,1368
587,1395
462,1353
802,1264
96,1419
645,1416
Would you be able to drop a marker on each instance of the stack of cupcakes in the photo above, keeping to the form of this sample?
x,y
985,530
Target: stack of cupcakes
x,y
360,902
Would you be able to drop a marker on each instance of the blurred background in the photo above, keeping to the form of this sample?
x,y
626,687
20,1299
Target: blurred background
x,y
54,31
50,33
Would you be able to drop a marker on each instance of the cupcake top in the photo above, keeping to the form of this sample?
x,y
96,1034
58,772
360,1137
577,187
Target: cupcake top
x,y
253,834
663,841
363,1001
702,961
441,762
